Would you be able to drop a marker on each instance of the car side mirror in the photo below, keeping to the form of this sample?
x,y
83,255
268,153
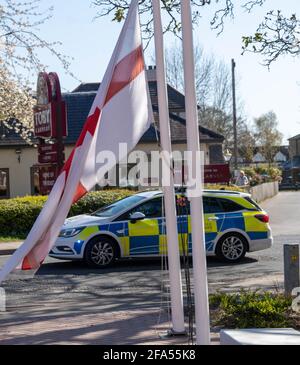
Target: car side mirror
x,y
137,216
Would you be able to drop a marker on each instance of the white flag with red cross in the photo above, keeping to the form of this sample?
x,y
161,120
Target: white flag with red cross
x,y
121,113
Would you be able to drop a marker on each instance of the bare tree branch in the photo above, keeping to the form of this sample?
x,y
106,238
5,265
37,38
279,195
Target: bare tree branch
x,y
20,43
277,35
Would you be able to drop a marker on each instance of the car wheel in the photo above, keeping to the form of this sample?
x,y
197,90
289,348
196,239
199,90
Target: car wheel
x,y
231,248
101,252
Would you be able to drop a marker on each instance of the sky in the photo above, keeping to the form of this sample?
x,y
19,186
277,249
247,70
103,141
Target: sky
x,y
90,42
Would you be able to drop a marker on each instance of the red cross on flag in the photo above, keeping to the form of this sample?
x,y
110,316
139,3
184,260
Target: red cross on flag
x,y
121,113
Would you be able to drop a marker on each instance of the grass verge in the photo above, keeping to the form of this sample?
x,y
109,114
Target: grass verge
x,y
6,239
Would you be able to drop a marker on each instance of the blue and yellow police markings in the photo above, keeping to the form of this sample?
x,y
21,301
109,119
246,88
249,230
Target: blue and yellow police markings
x,y
255,229
148,236
144,237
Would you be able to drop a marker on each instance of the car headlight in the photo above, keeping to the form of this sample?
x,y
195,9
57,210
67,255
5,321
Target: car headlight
x,y
70,232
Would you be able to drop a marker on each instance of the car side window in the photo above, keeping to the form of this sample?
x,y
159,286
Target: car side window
x,y
211,205
151,209
230,206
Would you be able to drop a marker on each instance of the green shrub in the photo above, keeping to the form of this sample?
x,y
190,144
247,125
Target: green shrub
x,y
18,215
223,187
274,173
252,310
249,171
95,200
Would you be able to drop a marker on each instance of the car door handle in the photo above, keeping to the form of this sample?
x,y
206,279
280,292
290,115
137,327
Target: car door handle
x,y
213,218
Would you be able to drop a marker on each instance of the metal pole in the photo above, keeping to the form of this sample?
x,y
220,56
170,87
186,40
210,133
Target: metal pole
x,y
169,194
196,203
235,153
291,267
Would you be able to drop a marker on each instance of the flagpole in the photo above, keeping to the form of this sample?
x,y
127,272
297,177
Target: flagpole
x,y
196,202
168,189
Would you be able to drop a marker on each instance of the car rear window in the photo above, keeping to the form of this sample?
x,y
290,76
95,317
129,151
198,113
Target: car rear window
x,y
252,202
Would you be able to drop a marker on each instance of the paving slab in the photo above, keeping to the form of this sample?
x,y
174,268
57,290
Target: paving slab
x,y
260,336
40,327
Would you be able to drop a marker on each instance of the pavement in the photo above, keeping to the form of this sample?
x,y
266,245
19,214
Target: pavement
x,y
8,248
44,326
67,302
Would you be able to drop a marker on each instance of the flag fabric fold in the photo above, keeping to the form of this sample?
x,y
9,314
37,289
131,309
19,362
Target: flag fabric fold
x,y
121,113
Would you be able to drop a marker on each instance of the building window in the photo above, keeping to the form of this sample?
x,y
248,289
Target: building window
x,y
4,183
35,181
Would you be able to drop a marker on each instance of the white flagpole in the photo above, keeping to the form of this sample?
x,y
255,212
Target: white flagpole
x,y
193,145
169,194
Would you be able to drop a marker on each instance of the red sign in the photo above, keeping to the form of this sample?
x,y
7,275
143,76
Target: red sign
x,y
50,121
50,109
216,174
48,158
47,177
61,109
42,120
47,148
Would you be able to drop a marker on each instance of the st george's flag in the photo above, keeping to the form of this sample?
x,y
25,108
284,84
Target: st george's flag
x,y
121,113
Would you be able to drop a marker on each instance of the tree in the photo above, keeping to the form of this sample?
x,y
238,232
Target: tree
x,y
16,105
246,141
19,45
276,35
213,77
214,94
204,72
267,135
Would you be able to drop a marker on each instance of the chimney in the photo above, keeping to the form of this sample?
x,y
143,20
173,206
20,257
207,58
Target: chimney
x,y
151,73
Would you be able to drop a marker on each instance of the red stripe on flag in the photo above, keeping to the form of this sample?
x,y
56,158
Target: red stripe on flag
x,y
89,126
125,72
80,192
26,264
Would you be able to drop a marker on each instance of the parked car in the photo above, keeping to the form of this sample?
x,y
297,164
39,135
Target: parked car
x,y
135,227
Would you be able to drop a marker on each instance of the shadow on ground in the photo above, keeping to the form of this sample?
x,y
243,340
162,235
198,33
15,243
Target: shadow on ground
x,y
133,265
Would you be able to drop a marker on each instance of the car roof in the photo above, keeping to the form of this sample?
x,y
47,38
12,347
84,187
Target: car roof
x,y
228,193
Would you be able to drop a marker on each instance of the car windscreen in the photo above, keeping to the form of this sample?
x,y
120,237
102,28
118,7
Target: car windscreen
x,y
118,206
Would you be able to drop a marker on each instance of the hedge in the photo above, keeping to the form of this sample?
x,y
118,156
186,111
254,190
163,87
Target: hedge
x,y
17,215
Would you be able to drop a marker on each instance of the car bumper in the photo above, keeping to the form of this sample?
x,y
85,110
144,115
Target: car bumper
x,y
261,244
70,249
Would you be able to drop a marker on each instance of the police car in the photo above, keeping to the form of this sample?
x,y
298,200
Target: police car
x,y
135,227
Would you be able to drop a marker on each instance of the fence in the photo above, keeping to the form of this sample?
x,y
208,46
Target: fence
x,y
264,191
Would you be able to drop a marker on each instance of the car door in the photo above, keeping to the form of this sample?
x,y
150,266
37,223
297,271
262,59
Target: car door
x,y
144,235
213,220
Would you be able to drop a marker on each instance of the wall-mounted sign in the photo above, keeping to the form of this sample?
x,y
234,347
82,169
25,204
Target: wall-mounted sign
x,y
216,174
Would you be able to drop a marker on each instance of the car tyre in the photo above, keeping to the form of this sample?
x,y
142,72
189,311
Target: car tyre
x,y
101,252
231,248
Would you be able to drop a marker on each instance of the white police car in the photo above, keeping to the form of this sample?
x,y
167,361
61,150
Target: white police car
x,y
135,227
